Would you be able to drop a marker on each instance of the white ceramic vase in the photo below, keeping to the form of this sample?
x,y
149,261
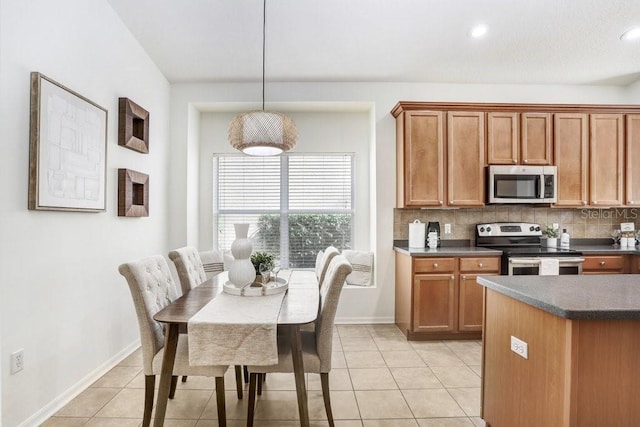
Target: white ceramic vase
x,y
241,271
552,242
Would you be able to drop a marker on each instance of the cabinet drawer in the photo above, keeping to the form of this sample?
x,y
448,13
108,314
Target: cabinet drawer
x,y
601,263
480,264
434,265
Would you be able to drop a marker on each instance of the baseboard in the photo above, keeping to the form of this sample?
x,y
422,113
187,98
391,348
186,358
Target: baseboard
x,y
56,404
363,320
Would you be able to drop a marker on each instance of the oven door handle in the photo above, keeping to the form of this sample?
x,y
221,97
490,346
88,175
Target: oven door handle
x,y
536,261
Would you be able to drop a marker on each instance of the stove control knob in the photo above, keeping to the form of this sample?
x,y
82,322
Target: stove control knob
x,y
531,228
489,229
482,229
538,228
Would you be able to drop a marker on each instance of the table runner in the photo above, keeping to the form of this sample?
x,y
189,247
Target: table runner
x,y
234,330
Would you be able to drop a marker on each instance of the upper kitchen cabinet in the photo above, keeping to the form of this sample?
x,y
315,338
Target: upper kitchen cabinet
x,y
606,151
465,158
633,160
519,138
571,144
536,139
503,138
420,159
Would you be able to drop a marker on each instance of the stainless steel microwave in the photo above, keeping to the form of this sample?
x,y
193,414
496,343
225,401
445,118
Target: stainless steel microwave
x,y
522,184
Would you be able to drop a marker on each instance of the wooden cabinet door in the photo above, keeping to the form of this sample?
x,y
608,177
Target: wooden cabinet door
x,y
420,159
571,144
633,160
465,158
434,303
606,151
470,303
503,136
536,139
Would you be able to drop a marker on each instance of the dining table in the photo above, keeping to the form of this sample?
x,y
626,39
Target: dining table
x,y
299,306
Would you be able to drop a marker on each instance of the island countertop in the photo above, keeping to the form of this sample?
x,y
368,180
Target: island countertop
x,y
575,297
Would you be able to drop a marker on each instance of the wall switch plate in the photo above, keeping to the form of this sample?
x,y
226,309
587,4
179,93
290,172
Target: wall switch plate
x,y
447,229
519,347
556,226
17,361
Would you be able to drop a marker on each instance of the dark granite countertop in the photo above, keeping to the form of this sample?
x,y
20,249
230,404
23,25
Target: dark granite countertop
x,y
587,249
579,297
446,251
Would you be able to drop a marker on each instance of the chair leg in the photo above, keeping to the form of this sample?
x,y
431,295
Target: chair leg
x,y
324,380
239,381
260,376
174,384
252,398
184,378
222,409
246,374
149,384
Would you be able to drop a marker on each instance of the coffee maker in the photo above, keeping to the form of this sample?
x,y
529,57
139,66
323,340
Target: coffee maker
x,y
434,226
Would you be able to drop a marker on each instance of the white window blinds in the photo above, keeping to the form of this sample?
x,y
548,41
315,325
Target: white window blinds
x,y
309,196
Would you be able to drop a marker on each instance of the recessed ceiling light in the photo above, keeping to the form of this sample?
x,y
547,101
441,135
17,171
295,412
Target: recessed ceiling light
x,y
478,31
632,34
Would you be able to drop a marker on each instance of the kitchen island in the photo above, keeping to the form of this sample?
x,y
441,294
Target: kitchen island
x,y
582,336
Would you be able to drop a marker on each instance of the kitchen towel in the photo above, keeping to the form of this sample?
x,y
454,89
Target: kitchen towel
x,y
549,267
234,330
362,265
416,234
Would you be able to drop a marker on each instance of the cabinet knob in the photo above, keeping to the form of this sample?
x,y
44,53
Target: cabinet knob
x,y
525,161
464,277
440,201
631,202
480,265
452,277
513,162
602,263
595,202
584,202
451,202
435,265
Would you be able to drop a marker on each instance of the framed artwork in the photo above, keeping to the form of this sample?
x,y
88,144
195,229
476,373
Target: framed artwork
x,y
67,149
133,126
133,193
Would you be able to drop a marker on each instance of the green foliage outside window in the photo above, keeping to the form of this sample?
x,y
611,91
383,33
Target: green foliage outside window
x,y
308,234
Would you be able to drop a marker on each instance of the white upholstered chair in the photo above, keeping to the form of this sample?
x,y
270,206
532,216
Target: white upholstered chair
x,y
189,267
317,345
191,272
322,262
153,288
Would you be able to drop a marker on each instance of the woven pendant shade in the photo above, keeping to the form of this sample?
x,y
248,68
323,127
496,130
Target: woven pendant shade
x,y
262,133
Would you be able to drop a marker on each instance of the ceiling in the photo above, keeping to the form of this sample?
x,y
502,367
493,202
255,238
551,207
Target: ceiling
x,y
529,41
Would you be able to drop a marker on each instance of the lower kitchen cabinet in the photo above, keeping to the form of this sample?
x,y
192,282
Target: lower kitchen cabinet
x,y
438,297
603,264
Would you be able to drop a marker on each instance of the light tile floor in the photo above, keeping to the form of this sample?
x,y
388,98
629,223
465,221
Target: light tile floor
x,y
379,379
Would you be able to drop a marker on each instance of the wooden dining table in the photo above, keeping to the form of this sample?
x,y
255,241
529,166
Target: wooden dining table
x,y
299,306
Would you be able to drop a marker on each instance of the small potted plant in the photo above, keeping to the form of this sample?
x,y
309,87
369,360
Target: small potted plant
x,y
552,235
261,258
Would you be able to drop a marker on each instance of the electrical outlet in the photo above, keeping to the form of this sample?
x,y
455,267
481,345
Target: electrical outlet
x,y
556,226
17,361
519,347
447,229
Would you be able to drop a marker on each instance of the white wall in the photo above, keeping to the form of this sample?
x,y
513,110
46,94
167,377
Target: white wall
x,y
373,305
61,297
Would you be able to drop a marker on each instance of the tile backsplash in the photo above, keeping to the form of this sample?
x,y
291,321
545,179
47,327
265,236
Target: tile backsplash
x,y
580,223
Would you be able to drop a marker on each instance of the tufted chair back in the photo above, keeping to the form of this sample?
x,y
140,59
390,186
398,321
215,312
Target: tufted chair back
x,y
189,267
152,288
338,270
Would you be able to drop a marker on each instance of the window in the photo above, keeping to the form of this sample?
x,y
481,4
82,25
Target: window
x,y
309,196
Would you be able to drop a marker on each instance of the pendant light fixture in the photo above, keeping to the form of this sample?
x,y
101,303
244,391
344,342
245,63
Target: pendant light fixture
x,y
262,133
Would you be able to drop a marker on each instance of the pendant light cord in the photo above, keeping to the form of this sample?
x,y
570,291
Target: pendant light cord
x,y
264,27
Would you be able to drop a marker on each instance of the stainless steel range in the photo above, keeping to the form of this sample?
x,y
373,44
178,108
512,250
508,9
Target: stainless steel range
x,y
522,250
